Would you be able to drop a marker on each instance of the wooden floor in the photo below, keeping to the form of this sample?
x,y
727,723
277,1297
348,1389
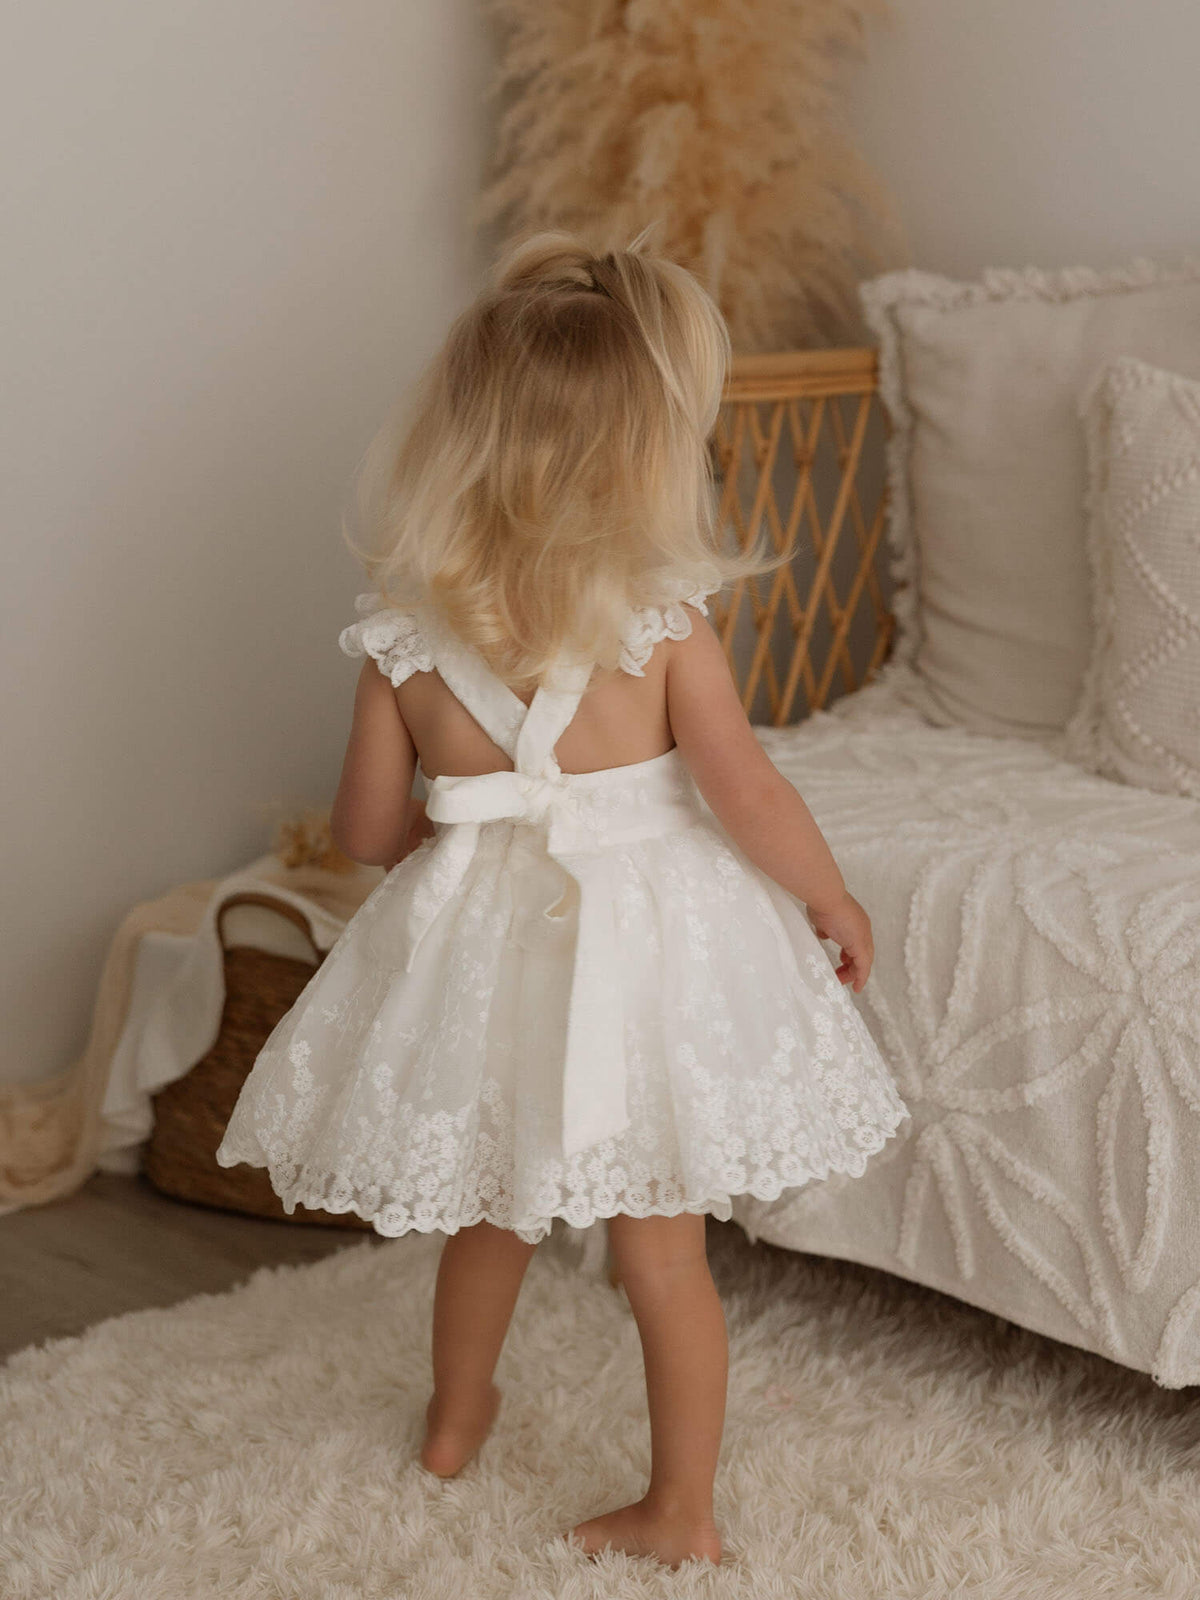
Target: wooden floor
x,y
118,1245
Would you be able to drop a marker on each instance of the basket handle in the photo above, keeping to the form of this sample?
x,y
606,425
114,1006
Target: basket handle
x,y
248,897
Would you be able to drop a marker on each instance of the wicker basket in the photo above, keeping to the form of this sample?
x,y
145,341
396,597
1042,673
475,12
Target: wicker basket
x,y
190,1115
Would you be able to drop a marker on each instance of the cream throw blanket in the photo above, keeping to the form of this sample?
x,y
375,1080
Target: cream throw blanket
x,y
51,1133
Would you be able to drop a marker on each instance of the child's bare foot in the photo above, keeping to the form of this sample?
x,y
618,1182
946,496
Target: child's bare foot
x,y
642,1529
451,1441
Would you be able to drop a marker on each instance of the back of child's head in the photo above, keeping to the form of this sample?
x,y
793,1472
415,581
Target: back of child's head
x,y
552,466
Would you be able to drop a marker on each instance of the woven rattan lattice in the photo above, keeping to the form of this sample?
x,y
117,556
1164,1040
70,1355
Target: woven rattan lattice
x,y
798,449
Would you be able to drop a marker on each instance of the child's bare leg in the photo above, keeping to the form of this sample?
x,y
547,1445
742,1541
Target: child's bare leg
x,y
663,1265
479,1278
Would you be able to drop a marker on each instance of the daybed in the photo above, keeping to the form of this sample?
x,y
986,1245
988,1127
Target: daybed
x,y
1016,800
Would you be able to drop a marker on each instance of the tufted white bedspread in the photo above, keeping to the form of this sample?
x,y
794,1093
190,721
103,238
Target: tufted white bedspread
x,y
1036,992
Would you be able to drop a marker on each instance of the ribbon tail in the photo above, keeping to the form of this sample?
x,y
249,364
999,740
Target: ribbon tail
x,y
594,1069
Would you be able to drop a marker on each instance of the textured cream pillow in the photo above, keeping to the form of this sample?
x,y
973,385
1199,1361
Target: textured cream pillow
x,y
987,472
1139,715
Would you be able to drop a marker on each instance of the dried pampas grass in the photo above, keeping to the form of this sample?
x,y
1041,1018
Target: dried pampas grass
x,y
720,119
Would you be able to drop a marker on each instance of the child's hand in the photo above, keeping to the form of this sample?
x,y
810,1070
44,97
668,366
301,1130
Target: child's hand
x,y
419,828
849,926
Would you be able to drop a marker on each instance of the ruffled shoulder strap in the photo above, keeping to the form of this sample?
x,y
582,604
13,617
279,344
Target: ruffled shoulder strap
x,y
646,625
391,635
394,637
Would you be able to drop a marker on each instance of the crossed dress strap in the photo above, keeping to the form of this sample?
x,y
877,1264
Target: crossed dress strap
x,y
526,734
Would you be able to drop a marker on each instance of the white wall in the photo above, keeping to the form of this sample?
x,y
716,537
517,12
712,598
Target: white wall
x,y
1045,133
233,232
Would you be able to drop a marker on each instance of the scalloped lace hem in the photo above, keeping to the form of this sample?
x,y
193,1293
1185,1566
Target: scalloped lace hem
x,y
337,1194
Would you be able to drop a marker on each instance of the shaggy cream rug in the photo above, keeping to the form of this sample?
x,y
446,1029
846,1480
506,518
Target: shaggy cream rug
x,y
882,1440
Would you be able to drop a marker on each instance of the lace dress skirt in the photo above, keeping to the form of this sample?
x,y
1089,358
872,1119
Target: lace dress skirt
x,y
592,1004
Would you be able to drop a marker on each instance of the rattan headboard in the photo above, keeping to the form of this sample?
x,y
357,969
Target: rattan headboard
x,y
798,447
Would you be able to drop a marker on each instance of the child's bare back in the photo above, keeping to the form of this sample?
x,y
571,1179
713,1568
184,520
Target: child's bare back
x,y
621,719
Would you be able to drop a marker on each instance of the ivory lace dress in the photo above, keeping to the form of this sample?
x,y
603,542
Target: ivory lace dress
x,y
578,998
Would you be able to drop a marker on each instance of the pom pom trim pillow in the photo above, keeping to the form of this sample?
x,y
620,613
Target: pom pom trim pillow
x,y
1139,717
986,467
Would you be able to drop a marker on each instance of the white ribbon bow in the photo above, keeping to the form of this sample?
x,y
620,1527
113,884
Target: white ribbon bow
x,y
594,1068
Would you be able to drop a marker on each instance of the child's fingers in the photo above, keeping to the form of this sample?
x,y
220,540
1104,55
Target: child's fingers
x,y
861,963
855,967
856,958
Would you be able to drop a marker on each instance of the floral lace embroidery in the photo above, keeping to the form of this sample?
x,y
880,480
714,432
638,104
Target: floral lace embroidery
x,y
648,624
391,636
403,1102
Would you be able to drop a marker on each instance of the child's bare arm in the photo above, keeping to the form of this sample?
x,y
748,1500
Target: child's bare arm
x,y
763,813
749,796
372,810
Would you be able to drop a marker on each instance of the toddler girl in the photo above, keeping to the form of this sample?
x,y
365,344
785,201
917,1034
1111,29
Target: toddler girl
x,y
587,986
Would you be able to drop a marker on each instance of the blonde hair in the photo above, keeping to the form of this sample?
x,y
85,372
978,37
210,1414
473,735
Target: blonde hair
x,y
552,467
